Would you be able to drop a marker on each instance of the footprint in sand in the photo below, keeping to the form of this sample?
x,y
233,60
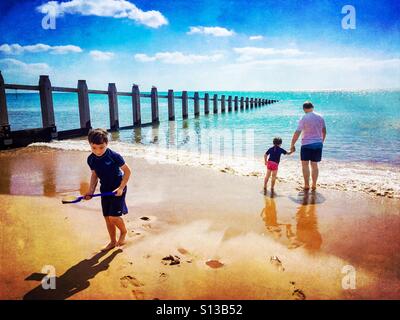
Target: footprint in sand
x,y
215,264
274,260
171,260
163,277
297,294
134,284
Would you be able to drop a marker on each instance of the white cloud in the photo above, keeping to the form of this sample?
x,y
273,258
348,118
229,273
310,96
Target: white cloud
x,y
177,57
16,48
17,66
254,53
105,8
214,31
101,55
256,37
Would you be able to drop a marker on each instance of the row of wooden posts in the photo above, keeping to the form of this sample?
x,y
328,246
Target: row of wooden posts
x,y
10,139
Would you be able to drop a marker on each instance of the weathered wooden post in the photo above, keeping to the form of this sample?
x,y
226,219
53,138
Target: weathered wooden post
x,y
241,103
83,103
4,124
251,103
113,106
171,105
247,102
223,103
137,117
46,105
229,103
215,103
154,106
206,103
184,105
196,102
236,103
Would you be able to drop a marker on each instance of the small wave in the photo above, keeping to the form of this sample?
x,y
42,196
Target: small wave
x,y
377,179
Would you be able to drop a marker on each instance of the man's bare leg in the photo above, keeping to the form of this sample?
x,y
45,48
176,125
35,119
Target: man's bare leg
x,y
120,224
111,232
306,174
314,174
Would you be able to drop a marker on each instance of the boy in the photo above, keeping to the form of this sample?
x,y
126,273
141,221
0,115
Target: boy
x,y
106,165
272,158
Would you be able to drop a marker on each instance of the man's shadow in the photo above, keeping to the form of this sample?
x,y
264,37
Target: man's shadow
x,y
74,280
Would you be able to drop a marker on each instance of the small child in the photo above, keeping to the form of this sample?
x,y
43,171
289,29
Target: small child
x,y
106,165
272,158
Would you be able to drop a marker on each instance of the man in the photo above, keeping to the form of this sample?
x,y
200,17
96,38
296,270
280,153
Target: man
x,y
312,125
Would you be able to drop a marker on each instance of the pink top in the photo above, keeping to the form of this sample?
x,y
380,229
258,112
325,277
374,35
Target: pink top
x,y
311,125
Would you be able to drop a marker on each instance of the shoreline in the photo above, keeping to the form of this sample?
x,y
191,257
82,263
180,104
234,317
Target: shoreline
x,y
376,179
197,215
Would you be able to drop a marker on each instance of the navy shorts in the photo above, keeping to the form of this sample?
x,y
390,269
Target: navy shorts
x,y
311,153
114,206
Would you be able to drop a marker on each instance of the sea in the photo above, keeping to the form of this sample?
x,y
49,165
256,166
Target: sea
x,y
361,152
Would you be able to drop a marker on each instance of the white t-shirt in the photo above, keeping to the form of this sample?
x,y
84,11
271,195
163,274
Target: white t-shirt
x,y
311,125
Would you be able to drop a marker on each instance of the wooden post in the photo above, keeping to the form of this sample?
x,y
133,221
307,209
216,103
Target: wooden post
x,y
137,116
215,103
171,105
247,102
46,105
83,103
223,103
229,103
241,103
154,106
236,103
196,104
251,103
113,106
206,103
184,105
4,124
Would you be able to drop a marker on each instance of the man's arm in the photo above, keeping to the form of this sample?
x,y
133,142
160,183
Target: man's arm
x,y
127,173
296,136
323,134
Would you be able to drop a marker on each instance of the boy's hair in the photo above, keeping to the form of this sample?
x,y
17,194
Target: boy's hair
x,y
98,136
277,141
308,105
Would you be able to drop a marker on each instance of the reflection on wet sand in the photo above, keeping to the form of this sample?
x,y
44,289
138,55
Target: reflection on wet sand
x,y
306,232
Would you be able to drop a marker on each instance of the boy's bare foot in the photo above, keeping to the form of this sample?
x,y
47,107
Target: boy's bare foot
x,y
121,240
265,190
313,188
108,247
306,188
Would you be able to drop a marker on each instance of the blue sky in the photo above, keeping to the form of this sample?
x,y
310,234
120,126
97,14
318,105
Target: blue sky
x,y
203,45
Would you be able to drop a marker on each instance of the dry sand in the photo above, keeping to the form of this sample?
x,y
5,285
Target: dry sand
x,y
226,239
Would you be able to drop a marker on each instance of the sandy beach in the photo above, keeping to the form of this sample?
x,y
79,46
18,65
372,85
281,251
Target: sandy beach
x,y
225,238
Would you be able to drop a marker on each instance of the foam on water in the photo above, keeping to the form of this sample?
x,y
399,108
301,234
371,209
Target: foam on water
x,y
378,179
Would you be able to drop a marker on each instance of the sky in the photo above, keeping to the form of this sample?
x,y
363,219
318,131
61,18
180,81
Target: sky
x,y
257,45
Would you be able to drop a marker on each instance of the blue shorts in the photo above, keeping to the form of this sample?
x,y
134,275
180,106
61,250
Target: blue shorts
x,y
311,152
114,206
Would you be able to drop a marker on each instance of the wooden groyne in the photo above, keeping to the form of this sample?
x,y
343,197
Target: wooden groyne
x,y
48,131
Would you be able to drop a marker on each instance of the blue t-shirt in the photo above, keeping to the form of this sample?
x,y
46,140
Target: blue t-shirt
x,y
107,168
275,153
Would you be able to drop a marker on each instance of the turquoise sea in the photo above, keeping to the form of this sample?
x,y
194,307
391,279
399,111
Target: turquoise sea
x,y
362,125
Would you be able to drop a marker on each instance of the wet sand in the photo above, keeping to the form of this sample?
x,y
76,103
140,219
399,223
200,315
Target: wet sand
x,y
225,238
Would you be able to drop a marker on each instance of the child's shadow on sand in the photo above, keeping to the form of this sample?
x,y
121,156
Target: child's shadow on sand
x,y
74,280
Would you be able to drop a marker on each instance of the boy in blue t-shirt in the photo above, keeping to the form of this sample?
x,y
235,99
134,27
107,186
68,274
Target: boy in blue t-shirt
x,y
106,165
272,158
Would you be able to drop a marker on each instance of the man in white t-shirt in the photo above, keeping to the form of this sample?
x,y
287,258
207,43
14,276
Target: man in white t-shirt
x,y
313,128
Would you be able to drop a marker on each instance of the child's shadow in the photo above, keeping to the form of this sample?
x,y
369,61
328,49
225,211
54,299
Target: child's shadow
x,y
74,280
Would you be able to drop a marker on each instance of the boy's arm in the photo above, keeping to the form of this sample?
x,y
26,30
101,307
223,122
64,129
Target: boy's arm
x,y
265,158
323,134
127,173
92,187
